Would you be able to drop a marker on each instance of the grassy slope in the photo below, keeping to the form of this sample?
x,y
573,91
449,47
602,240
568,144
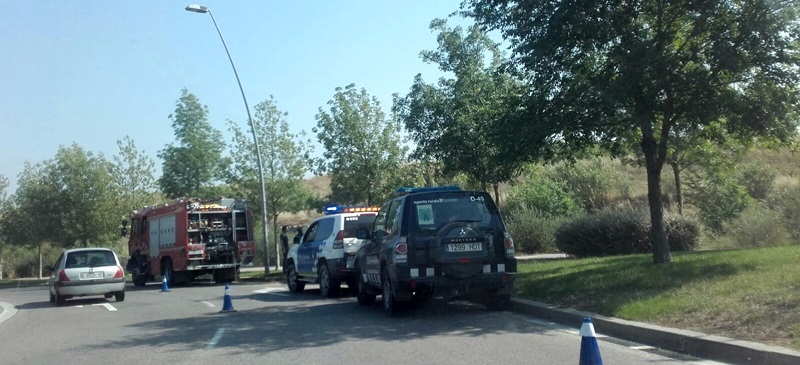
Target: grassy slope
x,y
751,294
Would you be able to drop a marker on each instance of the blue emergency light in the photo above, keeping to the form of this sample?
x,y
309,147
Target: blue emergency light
x,y
403,191
338,209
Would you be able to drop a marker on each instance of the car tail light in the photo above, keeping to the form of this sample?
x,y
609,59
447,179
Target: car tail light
x,y
338,242
508,242
119,273
62,275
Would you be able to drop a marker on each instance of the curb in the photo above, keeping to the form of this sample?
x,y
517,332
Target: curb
x,y
686,342
6,311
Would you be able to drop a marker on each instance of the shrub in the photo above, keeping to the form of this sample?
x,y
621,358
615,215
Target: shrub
x,y
532,230
621,233
757,226
540,195
592,183
787,202
720,199
758,180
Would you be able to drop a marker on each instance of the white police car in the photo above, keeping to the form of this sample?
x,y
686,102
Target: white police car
x,y
326,253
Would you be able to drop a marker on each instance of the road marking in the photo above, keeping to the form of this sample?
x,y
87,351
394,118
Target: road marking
x,y
8,311
642,348
208,304
108,306
273,291
215,339
78,306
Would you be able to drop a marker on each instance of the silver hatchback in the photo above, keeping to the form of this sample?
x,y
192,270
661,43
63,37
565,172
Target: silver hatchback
x,y
84,272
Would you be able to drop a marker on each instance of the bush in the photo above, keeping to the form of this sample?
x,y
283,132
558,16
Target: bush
x,y
757,226
758,180
719,200
621,233
593,184
540,195
532,230
787,202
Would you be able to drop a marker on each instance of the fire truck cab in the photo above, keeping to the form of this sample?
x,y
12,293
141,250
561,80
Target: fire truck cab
x,y
187,238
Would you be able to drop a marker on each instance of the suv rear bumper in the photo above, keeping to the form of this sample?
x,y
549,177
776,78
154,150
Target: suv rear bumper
x,y
495,277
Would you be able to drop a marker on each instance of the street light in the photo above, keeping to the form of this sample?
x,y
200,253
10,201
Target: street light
x,y
203,9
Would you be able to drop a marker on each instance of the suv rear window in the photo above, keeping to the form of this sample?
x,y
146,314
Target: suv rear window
x,y
352,224
90,259
431,212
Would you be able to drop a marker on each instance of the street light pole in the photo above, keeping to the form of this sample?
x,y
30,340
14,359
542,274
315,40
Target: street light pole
x,y
203,9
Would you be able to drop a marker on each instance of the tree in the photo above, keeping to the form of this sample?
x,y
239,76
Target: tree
x,y
454,121
363,148
133,173
190,168
285,160
600,71
4,208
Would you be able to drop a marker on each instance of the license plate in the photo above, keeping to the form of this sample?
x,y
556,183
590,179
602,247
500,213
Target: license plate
x,y
92,275
350,261
464,247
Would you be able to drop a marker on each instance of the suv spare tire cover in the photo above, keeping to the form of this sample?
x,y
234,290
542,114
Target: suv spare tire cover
x,y
458,270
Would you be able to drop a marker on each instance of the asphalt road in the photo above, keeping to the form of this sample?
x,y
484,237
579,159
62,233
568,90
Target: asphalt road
x,y
273,326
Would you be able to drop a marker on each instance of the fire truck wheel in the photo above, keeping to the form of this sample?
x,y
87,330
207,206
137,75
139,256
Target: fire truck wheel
x,y
140,280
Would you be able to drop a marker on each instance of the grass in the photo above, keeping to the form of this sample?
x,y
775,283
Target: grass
x,y
259,275
749,294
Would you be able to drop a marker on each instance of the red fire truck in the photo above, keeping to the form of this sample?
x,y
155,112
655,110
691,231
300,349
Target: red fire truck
x,y
186,238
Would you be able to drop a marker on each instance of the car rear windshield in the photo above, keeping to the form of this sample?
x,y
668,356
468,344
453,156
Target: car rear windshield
x,y
90,259
431,212
353,223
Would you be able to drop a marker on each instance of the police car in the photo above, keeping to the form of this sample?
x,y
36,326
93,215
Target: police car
x,y
440,241
326,252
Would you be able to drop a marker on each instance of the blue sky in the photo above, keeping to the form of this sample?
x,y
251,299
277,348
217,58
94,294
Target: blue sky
x,y
92,72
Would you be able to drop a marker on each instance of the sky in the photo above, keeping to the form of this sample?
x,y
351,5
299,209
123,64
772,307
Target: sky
x,y
93,72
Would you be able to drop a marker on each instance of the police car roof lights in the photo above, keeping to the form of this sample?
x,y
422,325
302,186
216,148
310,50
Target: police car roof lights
x,y
403,191
338,209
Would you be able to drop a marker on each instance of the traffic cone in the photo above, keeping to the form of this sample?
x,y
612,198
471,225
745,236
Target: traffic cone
x,y
164,285
590,352
227,304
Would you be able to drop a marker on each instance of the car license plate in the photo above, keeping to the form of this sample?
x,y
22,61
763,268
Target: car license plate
x,y
464,247
350,261
92,275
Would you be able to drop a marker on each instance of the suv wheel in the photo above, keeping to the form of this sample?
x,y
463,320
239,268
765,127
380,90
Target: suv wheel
x,y
364,298
328,286
293,280
499,302
390,305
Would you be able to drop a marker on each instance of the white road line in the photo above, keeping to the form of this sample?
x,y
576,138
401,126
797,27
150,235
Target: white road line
x,y
272,291
215,339
642,348
108,306
8,311
78,306
208,304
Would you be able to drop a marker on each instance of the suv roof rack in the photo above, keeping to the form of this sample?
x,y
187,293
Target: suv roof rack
x,y
404,191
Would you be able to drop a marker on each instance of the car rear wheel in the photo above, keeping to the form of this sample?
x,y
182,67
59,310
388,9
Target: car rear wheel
x,y
328,286
364,298
119,296
60,299
293,281
390,305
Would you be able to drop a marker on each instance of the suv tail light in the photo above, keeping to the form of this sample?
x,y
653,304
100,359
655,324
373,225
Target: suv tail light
x,y
119,273
338,242
62,275
508,242
401,251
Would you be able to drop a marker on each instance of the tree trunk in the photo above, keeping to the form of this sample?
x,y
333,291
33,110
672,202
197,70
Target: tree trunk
x,y
658,236
40,261
496,187
676,172
275,239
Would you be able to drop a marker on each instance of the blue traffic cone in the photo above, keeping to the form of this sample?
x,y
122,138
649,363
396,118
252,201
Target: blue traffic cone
x,y
227,304
164,286
590,352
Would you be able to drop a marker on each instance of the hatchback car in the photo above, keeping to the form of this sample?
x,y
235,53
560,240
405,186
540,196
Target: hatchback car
x,y
87,272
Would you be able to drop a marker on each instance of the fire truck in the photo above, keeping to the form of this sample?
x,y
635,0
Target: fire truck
x,y
187,238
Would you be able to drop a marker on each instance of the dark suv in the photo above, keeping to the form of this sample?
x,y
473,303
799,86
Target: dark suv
x,y
440,241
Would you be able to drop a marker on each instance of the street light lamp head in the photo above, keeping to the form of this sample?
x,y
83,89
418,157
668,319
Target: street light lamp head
x,y
197,8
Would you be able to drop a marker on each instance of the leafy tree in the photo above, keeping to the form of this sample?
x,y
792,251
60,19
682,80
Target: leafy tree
x,y
4,208
285,159
453,122
603,70
196,162
133,173
363,148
